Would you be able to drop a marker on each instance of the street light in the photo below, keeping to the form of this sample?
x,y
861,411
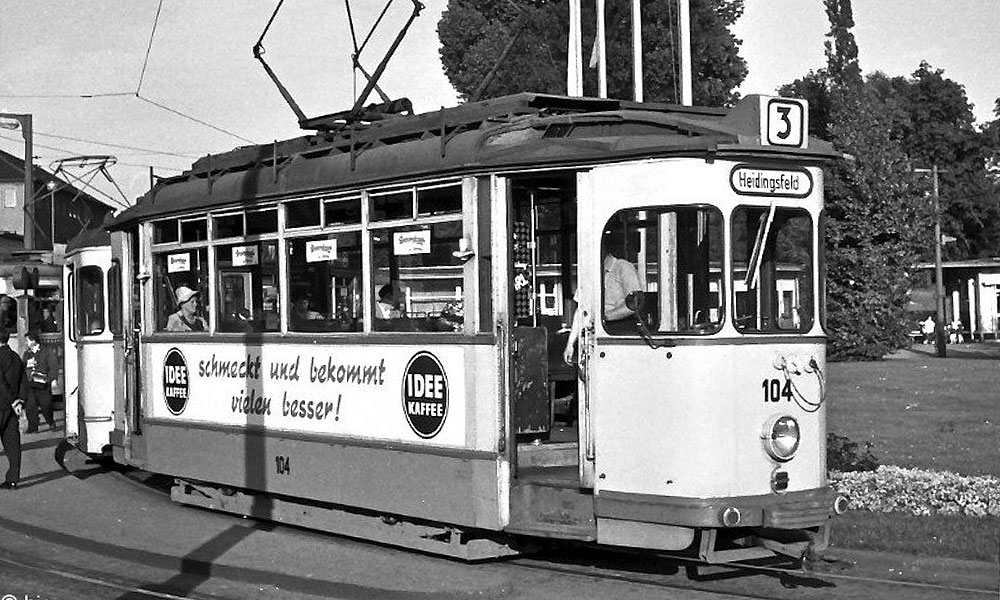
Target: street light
x,y
941,342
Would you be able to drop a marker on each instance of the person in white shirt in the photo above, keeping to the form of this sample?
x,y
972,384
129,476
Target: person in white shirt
x,y
620,279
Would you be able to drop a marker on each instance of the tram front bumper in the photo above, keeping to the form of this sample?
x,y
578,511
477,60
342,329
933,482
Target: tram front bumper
x,y
791,510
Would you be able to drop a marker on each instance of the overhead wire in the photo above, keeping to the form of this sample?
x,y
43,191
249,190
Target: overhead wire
x,y
149,47
74,96
137,93
113,145
194,119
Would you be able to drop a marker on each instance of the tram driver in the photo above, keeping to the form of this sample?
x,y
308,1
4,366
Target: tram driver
x,y
186,317
620,279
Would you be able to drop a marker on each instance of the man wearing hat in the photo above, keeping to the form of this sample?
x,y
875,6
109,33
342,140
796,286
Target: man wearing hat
x,y
186,319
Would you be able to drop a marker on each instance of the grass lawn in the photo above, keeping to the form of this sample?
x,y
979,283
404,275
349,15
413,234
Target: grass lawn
x,y
925,412
922,411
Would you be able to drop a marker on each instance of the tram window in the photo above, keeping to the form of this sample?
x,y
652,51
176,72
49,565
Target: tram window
x,y
301,213
439,200
772,269
262,221
42,316
89,301
115,298
194,230
173,270
676,257
8,313
248,287
342,211
227,226
325,283
416,272
165,232
392,205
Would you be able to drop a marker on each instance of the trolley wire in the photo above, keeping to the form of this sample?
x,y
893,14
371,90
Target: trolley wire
x,y
113,145
149,47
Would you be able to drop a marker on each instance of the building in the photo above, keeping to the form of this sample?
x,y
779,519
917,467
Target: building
x,y
31,278
75,210
972,295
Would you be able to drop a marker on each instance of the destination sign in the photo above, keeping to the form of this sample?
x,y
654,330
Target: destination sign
x,y
761,181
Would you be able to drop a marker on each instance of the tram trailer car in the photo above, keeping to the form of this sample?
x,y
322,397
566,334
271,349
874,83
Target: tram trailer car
x,y
362,330
91,317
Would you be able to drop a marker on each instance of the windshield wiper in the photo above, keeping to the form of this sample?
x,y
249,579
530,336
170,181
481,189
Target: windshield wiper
x,y
753,267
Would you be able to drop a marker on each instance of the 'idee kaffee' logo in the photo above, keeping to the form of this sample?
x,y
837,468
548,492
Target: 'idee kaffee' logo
x,y
425,394
175,381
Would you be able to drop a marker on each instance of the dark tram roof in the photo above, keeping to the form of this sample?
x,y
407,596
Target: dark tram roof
x,y
508,133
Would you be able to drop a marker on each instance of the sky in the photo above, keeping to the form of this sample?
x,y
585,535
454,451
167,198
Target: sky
x,y
201,91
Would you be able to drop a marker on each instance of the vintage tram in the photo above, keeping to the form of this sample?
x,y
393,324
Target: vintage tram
x,y
92,318
363,330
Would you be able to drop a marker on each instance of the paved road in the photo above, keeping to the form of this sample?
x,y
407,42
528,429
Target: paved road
x,y
78,529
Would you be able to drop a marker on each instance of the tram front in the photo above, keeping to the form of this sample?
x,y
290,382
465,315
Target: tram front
x,y
703,416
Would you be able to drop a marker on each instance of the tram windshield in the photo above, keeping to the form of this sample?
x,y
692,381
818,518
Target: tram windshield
x,y
674,255
89,301
772,269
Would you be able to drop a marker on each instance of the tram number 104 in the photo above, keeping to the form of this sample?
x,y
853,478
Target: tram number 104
x,y
774,391
282,464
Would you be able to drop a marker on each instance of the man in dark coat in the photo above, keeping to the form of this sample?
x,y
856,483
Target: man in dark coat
x,y
40,368
10,409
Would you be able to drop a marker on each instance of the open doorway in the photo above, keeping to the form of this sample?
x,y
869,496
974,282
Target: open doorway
x,y
543,275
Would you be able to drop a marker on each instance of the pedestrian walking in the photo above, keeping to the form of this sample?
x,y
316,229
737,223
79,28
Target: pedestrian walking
x,y
11,407
40,369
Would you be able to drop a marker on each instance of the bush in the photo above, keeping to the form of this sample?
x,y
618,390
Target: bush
x,y
842,455
917,492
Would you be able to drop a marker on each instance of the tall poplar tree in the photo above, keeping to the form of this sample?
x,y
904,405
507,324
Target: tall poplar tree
x,y
877,212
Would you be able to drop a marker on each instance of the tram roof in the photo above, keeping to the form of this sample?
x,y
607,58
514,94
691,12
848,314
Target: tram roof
x,y
508,133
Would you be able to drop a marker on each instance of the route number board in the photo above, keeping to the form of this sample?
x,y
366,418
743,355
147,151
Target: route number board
x,y
784,122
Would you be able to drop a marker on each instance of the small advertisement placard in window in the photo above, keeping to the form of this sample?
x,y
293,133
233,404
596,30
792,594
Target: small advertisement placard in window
x,y
244,256
321,251
405,243
179,263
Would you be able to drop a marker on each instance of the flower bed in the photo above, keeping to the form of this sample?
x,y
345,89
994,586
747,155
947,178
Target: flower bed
x,y
917,492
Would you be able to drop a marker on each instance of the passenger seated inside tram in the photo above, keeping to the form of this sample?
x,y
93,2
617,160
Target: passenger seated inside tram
x,y
186,319
302,313
387,306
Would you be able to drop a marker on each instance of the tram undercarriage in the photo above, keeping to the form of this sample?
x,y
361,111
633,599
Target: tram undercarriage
x,y
547,506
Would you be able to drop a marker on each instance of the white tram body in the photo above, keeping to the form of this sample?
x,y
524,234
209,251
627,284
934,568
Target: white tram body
x,y
91,282
701,417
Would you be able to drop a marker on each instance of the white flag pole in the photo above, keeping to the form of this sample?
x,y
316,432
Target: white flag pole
x,y
574,62
684,22
637,49
602,64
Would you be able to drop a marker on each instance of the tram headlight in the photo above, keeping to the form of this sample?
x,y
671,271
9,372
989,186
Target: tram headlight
x,y
781,437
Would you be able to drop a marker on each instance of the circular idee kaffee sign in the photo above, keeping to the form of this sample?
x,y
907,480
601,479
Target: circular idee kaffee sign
x,y
175,381
425,395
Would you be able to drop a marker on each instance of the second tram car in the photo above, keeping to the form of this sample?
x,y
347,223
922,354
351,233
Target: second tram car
x,y
92,314
363,330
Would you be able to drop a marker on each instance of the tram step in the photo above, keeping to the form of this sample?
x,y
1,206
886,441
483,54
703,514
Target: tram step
x,y
552,512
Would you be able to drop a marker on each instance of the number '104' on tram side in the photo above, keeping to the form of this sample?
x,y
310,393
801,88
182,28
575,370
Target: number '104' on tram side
x,y
468,330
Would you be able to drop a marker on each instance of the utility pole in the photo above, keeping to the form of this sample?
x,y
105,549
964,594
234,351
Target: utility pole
x,y
940,339
24,124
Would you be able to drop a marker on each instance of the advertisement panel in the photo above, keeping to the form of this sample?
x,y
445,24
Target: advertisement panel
x,y
379,392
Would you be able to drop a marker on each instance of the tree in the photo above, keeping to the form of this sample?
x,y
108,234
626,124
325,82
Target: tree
x,y
475,33
876,214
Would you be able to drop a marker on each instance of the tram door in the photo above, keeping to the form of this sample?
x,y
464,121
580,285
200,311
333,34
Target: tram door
x,y
541,279
128,347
